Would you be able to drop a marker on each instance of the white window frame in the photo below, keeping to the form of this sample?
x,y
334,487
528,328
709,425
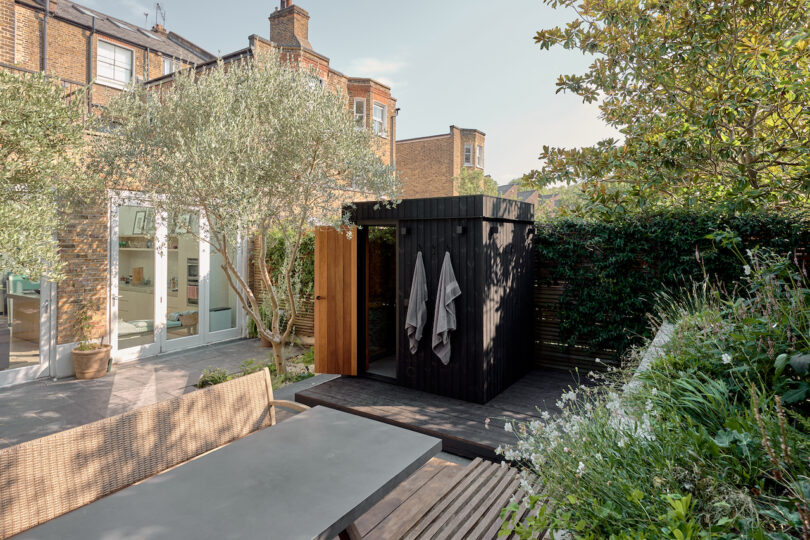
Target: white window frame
x,y
113,82
383,130
468,155
359,119
172,65
479,156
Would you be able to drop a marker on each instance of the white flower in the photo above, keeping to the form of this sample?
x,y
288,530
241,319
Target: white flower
x,y
545,415
654,391
726,358
508,428
580,469
747,270
566,449
649,405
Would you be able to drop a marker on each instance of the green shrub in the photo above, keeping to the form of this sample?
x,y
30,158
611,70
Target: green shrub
x,y
614,270
707,445
211,376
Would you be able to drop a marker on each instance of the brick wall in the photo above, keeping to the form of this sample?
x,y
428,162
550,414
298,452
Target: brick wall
x,y
7,31
83,246
28,38
426,166
429,164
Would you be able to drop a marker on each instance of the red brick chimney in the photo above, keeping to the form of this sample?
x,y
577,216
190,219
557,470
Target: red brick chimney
x,y
158,29
289,26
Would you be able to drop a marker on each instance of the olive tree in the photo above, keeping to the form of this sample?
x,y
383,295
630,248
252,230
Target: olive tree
x,y
256,146
42,150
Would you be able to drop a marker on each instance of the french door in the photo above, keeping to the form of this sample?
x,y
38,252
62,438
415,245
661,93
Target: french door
x,y
27,329
168,289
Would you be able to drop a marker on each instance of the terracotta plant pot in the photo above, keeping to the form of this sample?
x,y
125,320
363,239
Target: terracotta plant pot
x,y
91,364
266,342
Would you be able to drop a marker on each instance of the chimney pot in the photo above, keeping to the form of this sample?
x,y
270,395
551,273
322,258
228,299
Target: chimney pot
x,y
159,29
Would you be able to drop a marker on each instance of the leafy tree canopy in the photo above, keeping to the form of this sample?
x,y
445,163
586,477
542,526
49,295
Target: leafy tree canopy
x,y
473,182
257,147
42,148
711,99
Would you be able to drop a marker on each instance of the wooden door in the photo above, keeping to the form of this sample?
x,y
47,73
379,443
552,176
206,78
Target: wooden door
x,y
335,301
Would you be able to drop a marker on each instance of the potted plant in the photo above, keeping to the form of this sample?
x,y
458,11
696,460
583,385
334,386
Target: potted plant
x,y
90,359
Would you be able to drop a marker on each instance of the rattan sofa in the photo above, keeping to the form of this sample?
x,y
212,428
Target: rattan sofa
x,y
50,476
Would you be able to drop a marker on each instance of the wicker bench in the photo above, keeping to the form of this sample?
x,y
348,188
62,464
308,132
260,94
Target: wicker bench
x,y
48,477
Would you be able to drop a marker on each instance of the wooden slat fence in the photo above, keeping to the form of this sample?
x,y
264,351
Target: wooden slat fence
x,y
550,351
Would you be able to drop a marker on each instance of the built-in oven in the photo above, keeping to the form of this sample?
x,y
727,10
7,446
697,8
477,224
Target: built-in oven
x,y
193,281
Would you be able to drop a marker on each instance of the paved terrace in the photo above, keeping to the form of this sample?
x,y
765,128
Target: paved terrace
x,y
32,410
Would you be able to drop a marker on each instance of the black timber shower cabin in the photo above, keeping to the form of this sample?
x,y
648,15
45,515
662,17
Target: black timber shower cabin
x,y
361,292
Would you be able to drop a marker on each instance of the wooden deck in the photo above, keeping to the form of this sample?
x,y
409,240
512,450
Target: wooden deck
x,y
466,429
443,501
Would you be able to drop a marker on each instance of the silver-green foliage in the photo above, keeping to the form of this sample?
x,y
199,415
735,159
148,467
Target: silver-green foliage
x,y
257,146
42,142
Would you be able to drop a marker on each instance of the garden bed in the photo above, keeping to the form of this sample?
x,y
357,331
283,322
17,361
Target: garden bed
x,y
710,440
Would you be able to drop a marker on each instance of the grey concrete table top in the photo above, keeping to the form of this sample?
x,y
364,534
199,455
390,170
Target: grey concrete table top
x,y
308,477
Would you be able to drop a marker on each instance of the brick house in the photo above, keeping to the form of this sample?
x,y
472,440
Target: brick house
x,y
154,302
429,164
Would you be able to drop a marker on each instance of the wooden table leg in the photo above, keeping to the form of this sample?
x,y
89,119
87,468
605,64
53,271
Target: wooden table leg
x,y
350,533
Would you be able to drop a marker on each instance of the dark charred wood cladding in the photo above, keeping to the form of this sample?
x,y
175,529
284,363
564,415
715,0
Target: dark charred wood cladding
x,y
490,245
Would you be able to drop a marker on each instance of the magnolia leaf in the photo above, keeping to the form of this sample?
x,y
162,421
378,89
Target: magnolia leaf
x,y
800,362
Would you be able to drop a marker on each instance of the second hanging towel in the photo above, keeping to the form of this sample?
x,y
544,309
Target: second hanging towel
x,y
444,316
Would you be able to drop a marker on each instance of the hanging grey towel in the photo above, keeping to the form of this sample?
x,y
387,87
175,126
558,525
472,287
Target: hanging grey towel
x,y
417,305
444,317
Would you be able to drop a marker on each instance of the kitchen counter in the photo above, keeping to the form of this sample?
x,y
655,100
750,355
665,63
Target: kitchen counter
x,y
24,315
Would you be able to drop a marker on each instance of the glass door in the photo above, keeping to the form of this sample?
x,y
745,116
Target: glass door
x,y
185,271
169,288
225,316
25,328
136,279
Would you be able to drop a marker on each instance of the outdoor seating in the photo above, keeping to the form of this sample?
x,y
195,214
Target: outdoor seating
x,y
47,477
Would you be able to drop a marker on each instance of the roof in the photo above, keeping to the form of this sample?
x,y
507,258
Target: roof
x,y
503,190
523,195
168,44
460,207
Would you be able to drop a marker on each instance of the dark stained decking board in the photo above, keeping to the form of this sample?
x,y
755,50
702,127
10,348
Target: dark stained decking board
x,y
466,429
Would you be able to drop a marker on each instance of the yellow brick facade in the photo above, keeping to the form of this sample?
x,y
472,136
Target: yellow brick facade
x,y
428,165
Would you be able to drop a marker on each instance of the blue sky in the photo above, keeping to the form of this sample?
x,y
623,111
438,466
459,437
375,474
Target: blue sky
x,y
471,63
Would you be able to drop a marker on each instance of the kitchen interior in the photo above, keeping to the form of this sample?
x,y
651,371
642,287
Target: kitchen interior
x,y
19,322
137,258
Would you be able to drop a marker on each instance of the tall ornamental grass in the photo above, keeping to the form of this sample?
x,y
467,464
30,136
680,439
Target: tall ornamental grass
x,y
713,441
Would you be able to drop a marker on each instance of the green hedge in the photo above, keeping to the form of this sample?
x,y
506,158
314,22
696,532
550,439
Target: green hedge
x,y
614,270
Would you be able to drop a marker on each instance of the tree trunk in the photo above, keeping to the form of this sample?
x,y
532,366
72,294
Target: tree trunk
x,y
278,357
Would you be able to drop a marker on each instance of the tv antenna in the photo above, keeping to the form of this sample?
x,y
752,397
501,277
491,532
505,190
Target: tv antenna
x,y
160,12
146,22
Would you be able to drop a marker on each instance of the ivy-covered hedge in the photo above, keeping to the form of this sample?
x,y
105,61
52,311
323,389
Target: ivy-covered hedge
x,y
614,270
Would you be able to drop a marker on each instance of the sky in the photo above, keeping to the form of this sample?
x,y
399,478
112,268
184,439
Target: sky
x,y
469,63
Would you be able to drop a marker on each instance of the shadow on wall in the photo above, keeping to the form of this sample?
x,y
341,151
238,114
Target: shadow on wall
x,y
508,302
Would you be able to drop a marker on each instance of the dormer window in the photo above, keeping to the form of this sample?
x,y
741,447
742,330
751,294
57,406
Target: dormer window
x,y
378,123
360,112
